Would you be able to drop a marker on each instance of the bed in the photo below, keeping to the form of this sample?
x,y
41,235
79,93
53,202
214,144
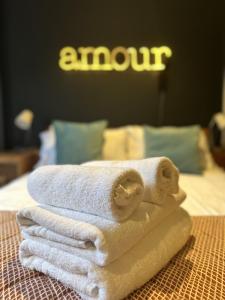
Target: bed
x,y
196,272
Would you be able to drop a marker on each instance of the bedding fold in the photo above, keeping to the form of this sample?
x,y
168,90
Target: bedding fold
x,y
97,239
119,278
159,174
112,193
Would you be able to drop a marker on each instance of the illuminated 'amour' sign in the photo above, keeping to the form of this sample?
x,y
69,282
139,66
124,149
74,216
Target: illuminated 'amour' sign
x,y
118,59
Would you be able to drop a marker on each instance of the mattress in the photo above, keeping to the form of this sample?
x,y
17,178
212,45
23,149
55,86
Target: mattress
x,y
196,272
205,193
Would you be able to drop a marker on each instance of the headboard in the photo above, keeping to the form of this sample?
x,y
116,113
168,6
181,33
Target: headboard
x,y
34,33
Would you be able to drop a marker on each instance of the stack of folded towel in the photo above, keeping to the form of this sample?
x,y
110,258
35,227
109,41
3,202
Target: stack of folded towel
x,y
104,228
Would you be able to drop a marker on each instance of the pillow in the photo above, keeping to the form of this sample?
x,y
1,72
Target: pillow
x,y
136,145
135,142
78,142
115,144
180,144
47,151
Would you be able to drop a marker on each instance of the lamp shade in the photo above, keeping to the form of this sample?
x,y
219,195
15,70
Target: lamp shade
x,y
219,119
24,119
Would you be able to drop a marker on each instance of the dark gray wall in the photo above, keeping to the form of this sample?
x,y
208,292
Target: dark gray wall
x,y
36,30
1,87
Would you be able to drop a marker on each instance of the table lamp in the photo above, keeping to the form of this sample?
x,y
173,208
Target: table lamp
x,y
24,121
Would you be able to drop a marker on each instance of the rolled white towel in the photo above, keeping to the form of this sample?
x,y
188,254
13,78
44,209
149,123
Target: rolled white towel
x,y
112,193
92,237
159,174
119,278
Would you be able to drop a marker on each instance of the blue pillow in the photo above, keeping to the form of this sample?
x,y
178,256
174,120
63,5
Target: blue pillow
x,y
78,142
180,144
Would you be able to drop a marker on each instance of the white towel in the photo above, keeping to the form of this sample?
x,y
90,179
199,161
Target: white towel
x,y
112,193
159,174
97,239
119,278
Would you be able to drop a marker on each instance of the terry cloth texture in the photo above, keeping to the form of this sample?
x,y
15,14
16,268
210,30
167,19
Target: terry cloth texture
x,y
159,174
196,272
116,280
97,239
112,193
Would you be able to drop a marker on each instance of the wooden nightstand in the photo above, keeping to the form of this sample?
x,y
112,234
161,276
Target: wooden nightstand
x,y
16,163
219,156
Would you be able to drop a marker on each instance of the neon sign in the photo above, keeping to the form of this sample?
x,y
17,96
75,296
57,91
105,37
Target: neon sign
x,y
118,59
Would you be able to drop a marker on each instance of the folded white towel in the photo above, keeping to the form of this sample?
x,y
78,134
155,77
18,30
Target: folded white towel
x,y
112,193
97,239
119,278
159,174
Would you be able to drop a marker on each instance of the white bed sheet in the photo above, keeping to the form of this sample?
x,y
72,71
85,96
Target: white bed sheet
x,y
205,193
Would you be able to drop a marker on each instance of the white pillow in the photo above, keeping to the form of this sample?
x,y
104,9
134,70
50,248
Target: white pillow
x,y
48,148
135,142
115,144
